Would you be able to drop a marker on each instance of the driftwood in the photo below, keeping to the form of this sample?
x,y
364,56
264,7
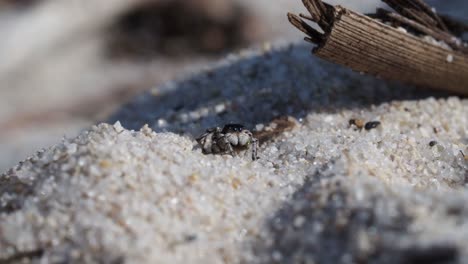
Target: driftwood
x,y
414,45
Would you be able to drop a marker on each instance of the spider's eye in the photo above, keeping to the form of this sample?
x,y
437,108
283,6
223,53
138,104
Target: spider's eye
x,y
232,128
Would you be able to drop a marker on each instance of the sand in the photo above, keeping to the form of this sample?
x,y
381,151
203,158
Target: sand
x,y
139,190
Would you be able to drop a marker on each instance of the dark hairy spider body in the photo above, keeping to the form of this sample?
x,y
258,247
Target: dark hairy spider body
x,y
230,139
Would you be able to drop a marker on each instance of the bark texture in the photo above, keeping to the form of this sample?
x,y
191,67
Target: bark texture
x,y
370,46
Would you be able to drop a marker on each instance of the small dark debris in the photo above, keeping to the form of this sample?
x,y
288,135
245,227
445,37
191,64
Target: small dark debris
x,y
454,210
432,143
359,123
190,238
372,125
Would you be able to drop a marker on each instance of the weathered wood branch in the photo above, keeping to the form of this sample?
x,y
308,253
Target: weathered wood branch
x,y
418,11
434,32
367,45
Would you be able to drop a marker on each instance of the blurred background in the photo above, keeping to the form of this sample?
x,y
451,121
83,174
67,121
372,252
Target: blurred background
x,y
68,64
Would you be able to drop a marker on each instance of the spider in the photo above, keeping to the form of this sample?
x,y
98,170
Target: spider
x,y
230,139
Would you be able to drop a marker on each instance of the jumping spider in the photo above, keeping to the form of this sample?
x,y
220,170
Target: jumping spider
x,y
230,139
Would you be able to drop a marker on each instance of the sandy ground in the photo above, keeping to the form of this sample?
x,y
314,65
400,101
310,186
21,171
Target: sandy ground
x,y
55,79
59,81
323,191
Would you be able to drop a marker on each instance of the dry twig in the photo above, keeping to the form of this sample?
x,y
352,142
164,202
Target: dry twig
x,y
368,45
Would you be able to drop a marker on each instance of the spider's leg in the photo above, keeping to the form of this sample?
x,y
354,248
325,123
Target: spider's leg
x,y
207,132
254,148
230,149
202,138
206,141
227,146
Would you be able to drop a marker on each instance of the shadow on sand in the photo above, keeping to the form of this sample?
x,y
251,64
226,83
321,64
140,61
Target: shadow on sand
x,y
258,88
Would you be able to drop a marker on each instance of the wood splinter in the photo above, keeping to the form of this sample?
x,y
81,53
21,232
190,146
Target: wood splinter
x,y
414,45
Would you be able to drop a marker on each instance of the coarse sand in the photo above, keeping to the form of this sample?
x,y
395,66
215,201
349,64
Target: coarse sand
x,y
323,191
